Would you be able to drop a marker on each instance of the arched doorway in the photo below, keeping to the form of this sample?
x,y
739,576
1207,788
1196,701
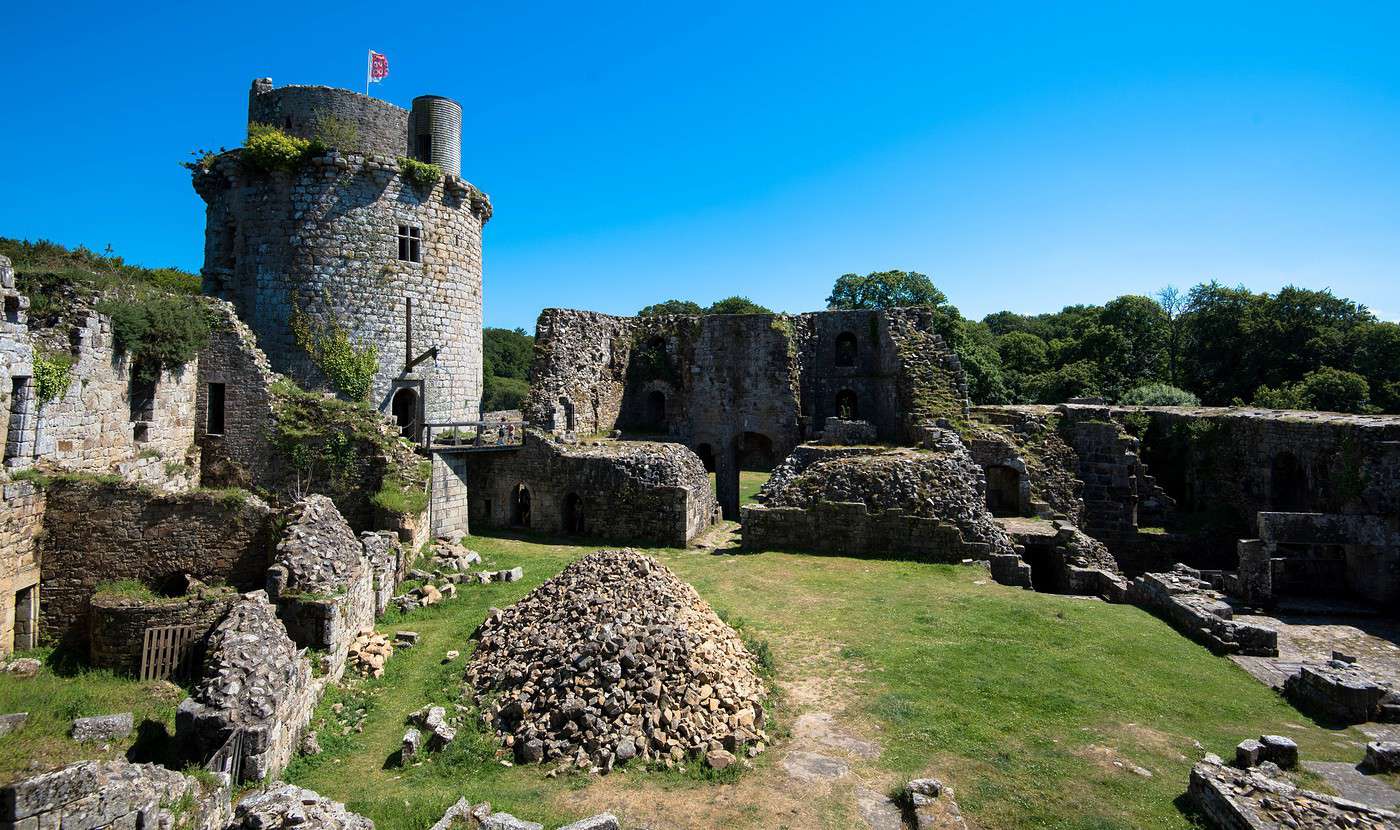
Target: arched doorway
x,y
845,349
656,410
573,515
404,408
1003,490
846,407
520,506
1288,484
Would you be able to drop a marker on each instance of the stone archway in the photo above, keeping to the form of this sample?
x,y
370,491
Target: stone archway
x,y
404,408
520,506
1003,490
847,405
573,515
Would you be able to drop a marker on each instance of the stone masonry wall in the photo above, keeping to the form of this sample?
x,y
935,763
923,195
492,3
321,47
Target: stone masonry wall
x,y
93,795
321,581
21,516
92,427
634,491
95,532
18,404
380,127
256,681
325,237
240,454
117,627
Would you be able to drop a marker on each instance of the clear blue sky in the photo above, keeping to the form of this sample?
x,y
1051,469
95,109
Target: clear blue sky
x,y
1025,157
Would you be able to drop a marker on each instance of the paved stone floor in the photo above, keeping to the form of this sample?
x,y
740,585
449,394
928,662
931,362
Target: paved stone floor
x,y
1349,782
1309,636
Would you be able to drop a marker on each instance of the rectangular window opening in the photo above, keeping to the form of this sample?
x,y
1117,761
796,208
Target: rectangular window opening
x,y
410,243
12,309
214,420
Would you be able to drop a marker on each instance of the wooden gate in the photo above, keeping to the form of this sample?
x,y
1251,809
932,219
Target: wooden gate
x,y
166,650
228,759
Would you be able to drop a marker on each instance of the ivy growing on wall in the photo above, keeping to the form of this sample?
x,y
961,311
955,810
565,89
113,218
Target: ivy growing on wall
x,y
159,332
420,173
52,373
350,369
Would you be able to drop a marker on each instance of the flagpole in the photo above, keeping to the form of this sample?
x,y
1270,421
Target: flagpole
x,y
369,68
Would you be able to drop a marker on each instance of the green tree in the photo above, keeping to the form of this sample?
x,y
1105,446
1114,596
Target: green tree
x,y
1326,389
506,355
737,305
1158,394
1022,351
671,307
885,289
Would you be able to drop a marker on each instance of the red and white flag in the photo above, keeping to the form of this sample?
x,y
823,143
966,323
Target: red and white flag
x,y
378,67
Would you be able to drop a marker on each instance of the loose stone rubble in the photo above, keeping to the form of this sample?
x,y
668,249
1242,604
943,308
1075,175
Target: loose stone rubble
x,y
1258,799
615,659
102,727
463,813
369,652
930,805
96,794
284,805
1188,603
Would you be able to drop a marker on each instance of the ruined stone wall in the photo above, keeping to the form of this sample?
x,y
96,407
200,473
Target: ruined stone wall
x,y
95,532
580,357
94,426
115,794
1031,445
635,491
18,402
321,582
850,529
256,681
21,516
117,624
239,452
325,236
379,126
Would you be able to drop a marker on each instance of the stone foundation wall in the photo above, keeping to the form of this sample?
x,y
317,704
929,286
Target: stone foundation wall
x,y
385,555
630,491
116,794
21,517
1190,605
850,529
256,681
95,532
117,625
94,427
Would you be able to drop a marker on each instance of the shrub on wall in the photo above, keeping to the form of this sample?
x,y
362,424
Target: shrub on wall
x,y
349,369
420,173
159,332
1159,394
268,148
52,374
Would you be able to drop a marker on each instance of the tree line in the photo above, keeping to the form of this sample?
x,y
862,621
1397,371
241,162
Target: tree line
x,y
1212,344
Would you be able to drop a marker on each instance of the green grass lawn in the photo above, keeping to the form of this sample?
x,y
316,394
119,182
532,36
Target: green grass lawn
x,y
59,694
1035,708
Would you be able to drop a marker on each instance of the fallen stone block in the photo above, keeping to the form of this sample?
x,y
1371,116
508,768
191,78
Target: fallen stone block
x,y
513,575
1280,750
440,737
407,636
1342,695
931,806
506,821
1382,756
102,727
412,743
9,723
23,667
602,821
1248,753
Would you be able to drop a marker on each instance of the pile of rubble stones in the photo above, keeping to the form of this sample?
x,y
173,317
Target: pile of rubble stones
x,y
617,659
448,567
370,650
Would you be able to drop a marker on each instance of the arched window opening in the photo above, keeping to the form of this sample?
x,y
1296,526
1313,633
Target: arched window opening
x,y
1288,484
573,515
846,408
754,452
520,506
1003,491
404,407
845,349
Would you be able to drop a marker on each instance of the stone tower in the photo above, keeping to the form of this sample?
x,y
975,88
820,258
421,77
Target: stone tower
x,y
348,239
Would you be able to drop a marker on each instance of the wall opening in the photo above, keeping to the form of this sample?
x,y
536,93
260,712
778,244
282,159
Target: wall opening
x,y
707,456
573,515
656,410
845,349
12,309
1003,490
27,618
141,394
21,404
564,415
1046,570
1317,571
1288,484
847,408
754,452
404,407
214,409
520,506
410,243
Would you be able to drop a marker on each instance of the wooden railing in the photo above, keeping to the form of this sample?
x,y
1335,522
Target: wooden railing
x,y
474,434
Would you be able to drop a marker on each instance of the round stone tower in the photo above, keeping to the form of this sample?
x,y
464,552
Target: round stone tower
x,y
348,240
